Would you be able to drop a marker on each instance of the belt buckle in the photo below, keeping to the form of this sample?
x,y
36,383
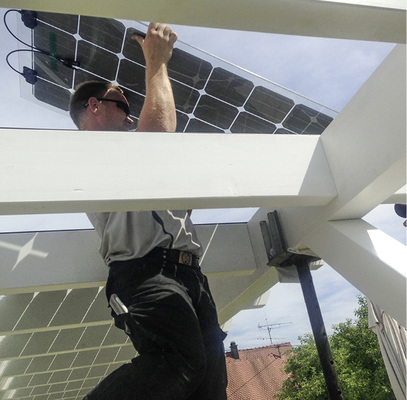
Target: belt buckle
x,y
185,258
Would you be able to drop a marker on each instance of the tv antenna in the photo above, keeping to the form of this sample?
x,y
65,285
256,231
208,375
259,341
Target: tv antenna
x,y
269,327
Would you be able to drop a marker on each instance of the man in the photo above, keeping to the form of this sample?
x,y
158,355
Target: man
x,y
155,287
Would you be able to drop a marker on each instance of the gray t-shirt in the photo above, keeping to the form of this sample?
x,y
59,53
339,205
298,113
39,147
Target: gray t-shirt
x,y
128,235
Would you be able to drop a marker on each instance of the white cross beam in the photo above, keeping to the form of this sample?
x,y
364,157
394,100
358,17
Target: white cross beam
x,y
366,151
377,20
101,171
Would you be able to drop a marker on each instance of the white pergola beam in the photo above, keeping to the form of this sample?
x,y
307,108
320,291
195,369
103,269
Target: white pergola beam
x,y
71,171
366,144
61,261
69,276
372,261
366,149
399,197
376,20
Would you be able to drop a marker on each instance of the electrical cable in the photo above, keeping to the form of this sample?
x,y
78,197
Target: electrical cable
x,y
29,74
30,21
9,30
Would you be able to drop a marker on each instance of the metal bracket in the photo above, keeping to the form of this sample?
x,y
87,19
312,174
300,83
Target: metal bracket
x,y
279,256
275,245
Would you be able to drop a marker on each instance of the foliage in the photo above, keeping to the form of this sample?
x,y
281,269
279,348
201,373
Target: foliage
x,y
359,364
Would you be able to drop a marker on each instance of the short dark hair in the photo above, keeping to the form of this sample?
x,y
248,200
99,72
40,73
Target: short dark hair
x,y
83,92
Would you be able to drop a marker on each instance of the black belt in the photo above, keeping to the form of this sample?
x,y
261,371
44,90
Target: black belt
x,y
174,256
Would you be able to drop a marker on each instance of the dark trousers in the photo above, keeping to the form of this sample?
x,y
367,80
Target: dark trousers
x,y
174,327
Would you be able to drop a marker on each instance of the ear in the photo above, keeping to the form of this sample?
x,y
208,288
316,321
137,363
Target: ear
x,y
93,105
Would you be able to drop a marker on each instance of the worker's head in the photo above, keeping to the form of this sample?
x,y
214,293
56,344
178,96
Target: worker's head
x,y
97,105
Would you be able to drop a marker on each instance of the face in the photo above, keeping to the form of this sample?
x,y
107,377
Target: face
x,y
111,117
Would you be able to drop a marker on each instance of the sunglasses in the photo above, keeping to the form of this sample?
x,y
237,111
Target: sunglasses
x,y
119,104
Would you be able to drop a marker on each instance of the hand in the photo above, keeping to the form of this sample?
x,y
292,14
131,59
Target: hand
x,y
158,44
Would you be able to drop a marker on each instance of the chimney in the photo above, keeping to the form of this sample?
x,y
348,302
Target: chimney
x,y
235,352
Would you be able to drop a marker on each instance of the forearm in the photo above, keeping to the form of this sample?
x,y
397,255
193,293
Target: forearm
x,y
158,113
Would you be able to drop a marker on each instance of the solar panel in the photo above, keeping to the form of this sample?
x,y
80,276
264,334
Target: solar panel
x,y
210,94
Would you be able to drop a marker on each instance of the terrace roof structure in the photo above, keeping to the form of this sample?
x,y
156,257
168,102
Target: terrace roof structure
x,y
56,335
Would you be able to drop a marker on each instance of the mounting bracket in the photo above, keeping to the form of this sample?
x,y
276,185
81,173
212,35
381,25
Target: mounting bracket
x,y
279,256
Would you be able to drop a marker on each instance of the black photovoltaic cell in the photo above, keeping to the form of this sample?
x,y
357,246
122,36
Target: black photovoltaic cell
x,y
303,119
104,32
56,42
185,97
268,104
97,60
189,69
282,131
215,112
131,49
83,76
132,76
66,22
195,125
248,123
135,101
182,121
208,97
52,94
229,87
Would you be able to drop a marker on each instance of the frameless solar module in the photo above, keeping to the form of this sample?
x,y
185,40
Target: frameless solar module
x,y
210,94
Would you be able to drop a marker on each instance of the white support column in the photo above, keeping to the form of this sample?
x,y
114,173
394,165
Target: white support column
x,y
377,20
372,261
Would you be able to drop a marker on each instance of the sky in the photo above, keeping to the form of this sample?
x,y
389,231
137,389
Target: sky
x,y
328,71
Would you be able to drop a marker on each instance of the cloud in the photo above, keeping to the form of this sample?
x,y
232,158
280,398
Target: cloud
x,y
329,71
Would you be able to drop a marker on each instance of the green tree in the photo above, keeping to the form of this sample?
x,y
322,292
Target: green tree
x,y
359,364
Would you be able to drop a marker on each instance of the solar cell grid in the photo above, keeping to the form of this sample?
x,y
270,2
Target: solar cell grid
x,y
210,95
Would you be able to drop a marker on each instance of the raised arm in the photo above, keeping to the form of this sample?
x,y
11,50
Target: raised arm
x,y
158,113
